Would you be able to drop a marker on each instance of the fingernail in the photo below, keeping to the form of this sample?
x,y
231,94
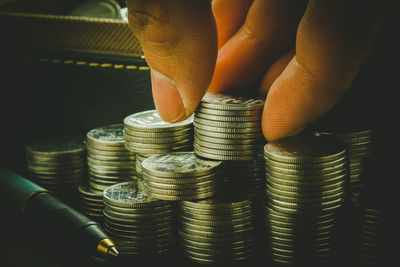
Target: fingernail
x,y
167,98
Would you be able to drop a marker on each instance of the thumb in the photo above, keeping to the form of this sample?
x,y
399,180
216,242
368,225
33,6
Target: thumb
x,y
179,41
333,40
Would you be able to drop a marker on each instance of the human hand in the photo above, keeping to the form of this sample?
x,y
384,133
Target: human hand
x,y
301,55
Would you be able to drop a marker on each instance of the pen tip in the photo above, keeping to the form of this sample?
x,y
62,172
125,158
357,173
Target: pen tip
x,y
112,251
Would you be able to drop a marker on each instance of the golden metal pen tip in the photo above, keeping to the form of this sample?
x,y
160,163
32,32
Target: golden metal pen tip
x,y
112,251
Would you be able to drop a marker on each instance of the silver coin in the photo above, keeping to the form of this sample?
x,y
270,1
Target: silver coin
x,y
224,124
165,197
227,118
304,187
185,131
225,141
108,173
183,192
216,211
230,135
122,153
209,150
88,192
130,157
128,195
231,102
150,121
179,164
247,243
157,151
186,186
44,169
56,146
217,203
109,135
305,177
222,112
226,130
182,180
184,142
141,210
158,140
136,216
201,153
103,147
304,149
230,147
111,176
124,163
306,166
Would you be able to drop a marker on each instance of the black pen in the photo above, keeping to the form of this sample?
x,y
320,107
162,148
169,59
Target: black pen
x,y
38,208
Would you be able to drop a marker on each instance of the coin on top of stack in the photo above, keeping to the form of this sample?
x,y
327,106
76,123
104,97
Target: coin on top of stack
x,y
146,133
108,160
359,146
217,231
58,163
181,176
305,188
228,127
138,224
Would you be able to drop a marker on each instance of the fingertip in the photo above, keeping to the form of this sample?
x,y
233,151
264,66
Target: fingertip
x,y
167,98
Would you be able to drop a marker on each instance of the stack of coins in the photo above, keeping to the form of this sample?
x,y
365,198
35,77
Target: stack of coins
x,y
139,225
109,163
91,202
181,176
370,235
359,147
108,160
58,163
146,134
228,127
216,231
305,189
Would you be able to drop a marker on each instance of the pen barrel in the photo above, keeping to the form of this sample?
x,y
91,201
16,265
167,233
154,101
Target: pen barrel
x,y
15,192
63,224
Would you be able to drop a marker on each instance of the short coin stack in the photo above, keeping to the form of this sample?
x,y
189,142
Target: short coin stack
x,y
91,202
146,134
217,231
138,225
305,188
108,160
181,176
58,163
359,147
228,127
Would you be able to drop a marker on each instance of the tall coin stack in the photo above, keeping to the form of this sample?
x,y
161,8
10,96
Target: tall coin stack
x,y
58,163
359,147
228,128
146,134
181,176
217,231
138,224
109,163
305,189
370,235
